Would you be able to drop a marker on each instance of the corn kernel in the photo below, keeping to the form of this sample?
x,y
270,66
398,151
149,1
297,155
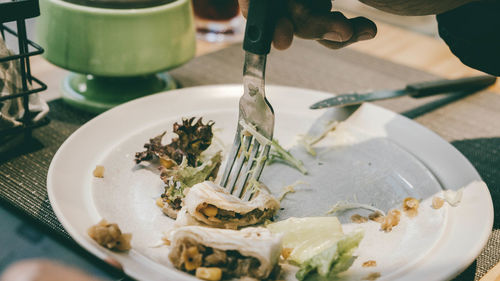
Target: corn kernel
x,y
285,252
210,211
159,202
209,273
192,258
167,162
437,202
99,171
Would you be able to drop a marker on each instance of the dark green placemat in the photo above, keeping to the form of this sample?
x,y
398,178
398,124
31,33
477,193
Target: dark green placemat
x,y
308,65
23,168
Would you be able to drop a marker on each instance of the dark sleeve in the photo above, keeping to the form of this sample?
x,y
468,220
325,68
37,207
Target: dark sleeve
x,y
472,32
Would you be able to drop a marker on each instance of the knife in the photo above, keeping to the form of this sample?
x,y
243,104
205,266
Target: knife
x,y
416,90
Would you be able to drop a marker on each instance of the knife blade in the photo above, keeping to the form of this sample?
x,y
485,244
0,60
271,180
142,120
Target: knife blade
x,y
416,90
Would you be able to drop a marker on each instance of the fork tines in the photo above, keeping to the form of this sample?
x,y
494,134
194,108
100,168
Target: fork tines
x,y
244,164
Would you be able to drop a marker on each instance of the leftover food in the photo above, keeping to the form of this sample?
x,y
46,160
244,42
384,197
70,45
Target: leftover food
x,y
437,202
212,205
357,218
277,152
98,171
290,189
317,245
182,163
251,252
410,206
372,276
453,197
390,220
192,139
369,263
181,177
110,236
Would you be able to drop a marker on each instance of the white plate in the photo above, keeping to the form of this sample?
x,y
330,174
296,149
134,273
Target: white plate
x,y
392,155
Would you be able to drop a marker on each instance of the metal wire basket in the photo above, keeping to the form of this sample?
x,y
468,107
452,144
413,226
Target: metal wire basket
x,y
18,11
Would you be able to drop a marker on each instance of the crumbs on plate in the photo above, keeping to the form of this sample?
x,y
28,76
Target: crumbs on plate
x,y
390,220
372,276
437,202
357,218
98,171
370,263
410,206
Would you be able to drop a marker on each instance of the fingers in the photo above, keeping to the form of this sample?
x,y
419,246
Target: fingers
x,y
313,19
283,34
332,26
313,23
243,7
363,29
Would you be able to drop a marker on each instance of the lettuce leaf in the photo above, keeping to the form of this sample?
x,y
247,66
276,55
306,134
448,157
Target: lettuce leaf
x,y
277,152
180,177
332,261
193,137
281,155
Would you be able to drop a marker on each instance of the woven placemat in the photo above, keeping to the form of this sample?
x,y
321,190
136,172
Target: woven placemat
x,y
471,123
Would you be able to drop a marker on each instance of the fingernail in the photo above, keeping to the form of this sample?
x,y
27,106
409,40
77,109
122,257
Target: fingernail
x,y
333,36
365,36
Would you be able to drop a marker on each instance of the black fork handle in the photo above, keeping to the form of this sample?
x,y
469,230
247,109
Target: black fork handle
x,y
259,30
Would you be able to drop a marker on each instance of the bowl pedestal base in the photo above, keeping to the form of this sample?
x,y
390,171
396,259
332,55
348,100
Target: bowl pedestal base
x,y
97,94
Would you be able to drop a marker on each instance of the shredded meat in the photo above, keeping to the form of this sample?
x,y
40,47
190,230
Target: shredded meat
x,y
239,265
224,216
174,204
191,255
216,258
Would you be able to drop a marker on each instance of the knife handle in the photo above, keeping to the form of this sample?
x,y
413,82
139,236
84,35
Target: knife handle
x,y
260,25
425,89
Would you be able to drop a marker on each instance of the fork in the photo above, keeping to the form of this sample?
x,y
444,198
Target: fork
x,y
248,153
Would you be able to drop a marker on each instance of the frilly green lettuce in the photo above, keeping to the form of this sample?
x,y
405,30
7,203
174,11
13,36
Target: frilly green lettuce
x,y
183,176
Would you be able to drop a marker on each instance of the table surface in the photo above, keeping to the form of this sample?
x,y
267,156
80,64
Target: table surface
x,y
393,44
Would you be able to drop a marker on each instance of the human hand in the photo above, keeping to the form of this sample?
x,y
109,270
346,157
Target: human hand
x,y
313,19
43,270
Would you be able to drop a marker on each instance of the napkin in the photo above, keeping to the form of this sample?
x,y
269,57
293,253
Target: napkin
x,y
12,110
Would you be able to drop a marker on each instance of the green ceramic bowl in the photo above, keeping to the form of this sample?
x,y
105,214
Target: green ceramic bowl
x,y
116,42
118,53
